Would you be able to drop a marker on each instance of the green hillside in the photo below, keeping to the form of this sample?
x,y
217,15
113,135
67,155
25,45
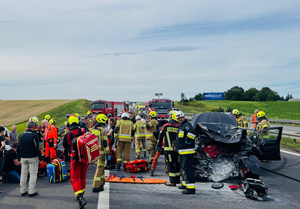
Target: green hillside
x,y
273,110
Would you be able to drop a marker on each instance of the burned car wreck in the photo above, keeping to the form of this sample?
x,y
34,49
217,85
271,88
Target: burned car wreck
x,y
224,151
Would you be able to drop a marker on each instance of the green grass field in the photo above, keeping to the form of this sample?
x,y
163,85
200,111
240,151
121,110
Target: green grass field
x,y
273,110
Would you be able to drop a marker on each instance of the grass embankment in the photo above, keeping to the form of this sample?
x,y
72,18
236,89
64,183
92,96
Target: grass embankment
x,y
58,113
273,110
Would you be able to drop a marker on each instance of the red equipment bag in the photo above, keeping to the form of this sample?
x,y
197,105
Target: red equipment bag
x,y
136,166
88,148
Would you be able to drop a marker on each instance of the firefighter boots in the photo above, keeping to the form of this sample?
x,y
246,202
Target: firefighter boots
x,y
152,172
81,201
99,189
118,167
182,187
189,191
170,184
137,157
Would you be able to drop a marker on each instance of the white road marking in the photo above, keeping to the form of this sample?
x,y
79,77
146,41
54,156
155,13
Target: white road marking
x,y
103,200
292,153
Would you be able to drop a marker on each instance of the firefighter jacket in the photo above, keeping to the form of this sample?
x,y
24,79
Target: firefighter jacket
x,y
167,135
185,141
124,130
263,125
241,121
139,130
101,133
50,135
151,127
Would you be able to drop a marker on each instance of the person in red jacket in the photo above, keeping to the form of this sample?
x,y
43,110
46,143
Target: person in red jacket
x,y
78,170
50,140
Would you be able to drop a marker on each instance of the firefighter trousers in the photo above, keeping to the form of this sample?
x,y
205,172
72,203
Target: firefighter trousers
x,y
126,147
78,176
187,167
140,143
152,149
173,165
50,152
99,178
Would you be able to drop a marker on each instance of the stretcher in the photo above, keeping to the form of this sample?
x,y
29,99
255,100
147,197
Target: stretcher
x,y
135,180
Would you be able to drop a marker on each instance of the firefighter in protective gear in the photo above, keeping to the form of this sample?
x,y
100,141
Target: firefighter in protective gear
x,y
185,145
151,127
241,120
89,114
124,132
167,135
140,137
263,123
50,142
100,132
78,170
48,117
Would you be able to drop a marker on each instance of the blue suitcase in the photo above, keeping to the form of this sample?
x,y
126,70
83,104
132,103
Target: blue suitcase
x,y
51,174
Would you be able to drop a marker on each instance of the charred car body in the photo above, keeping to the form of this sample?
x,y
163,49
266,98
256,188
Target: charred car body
x,y
223,150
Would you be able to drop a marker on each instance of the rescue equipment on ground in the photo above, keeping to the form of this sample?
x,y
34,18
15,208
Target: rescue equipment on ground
x,y
88,148
135,180
56,171
136,166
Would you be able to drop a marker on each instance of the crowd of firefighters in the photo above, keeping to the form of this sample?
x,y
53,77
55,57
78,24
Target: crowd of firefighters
x,y
176,137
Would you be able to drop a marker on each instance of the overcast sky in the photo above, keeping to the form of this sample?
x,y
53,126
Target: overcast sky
x,y
129,50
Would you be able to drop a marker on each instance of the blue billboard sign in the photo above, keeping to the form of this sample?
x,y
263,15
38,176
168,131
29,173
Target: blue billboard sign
x,y
213,96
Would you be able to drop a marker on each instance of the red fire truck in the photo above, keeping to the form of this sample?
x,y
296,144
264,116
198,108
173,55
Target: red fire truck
x,y
161,106
109,108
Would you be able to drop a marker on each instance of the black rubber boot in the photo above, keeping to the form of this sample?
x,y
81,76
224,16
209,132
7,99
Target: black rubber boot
x,y
99,189
182,187
152,172
81,201
118,167
189,191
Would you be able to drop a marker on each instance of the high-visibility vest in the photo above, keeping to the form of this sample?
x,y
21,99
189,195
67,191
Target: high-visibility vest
x,y
254,117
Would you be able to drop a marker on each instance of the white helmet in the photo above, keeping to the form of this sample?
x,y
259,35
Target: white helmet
x,y
179,114
138,117
36,119
125,115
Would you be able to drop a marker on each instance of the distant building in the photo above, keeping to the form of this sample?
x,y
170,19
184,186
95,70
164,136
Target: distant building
x,y
294,100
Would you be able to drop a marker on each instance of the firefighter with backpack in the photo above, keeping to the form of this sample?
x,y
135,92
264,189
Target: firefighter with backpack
x,y
100,132
78,170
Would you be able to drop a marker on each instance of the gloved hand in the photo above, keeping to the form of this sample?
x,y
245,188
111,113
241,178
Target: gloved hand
x,y
159,149
55,145
108,158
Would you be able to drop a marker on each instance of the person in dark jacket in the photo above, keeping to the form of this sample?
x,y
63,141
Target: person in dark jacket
x,y
12,166
29,152
167,136
185,145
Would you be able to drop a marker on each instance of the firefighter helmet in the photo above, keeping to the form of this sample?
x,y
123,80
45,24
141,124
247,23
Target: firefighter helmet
x,y
88,113
261,114
179,114
101,118
152,114
47,117
36,119
174,116
235,112
32,119
51,121
125,115
73,119
138,117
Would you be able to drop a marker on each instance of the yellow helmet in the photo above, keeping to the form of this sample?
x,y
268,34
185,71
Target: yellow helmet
x,y
152,114
235,112
51,121
174,116
88,112
101,118
32,119
261,114
47,117
77,115
73,119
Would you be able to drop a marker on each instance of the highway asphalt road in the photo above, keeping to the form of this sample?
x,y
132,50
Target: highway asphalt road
x,y
284,190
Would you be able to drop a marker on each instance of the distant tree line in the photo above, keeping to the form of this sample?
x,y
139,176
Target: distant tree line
x,y
237,93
